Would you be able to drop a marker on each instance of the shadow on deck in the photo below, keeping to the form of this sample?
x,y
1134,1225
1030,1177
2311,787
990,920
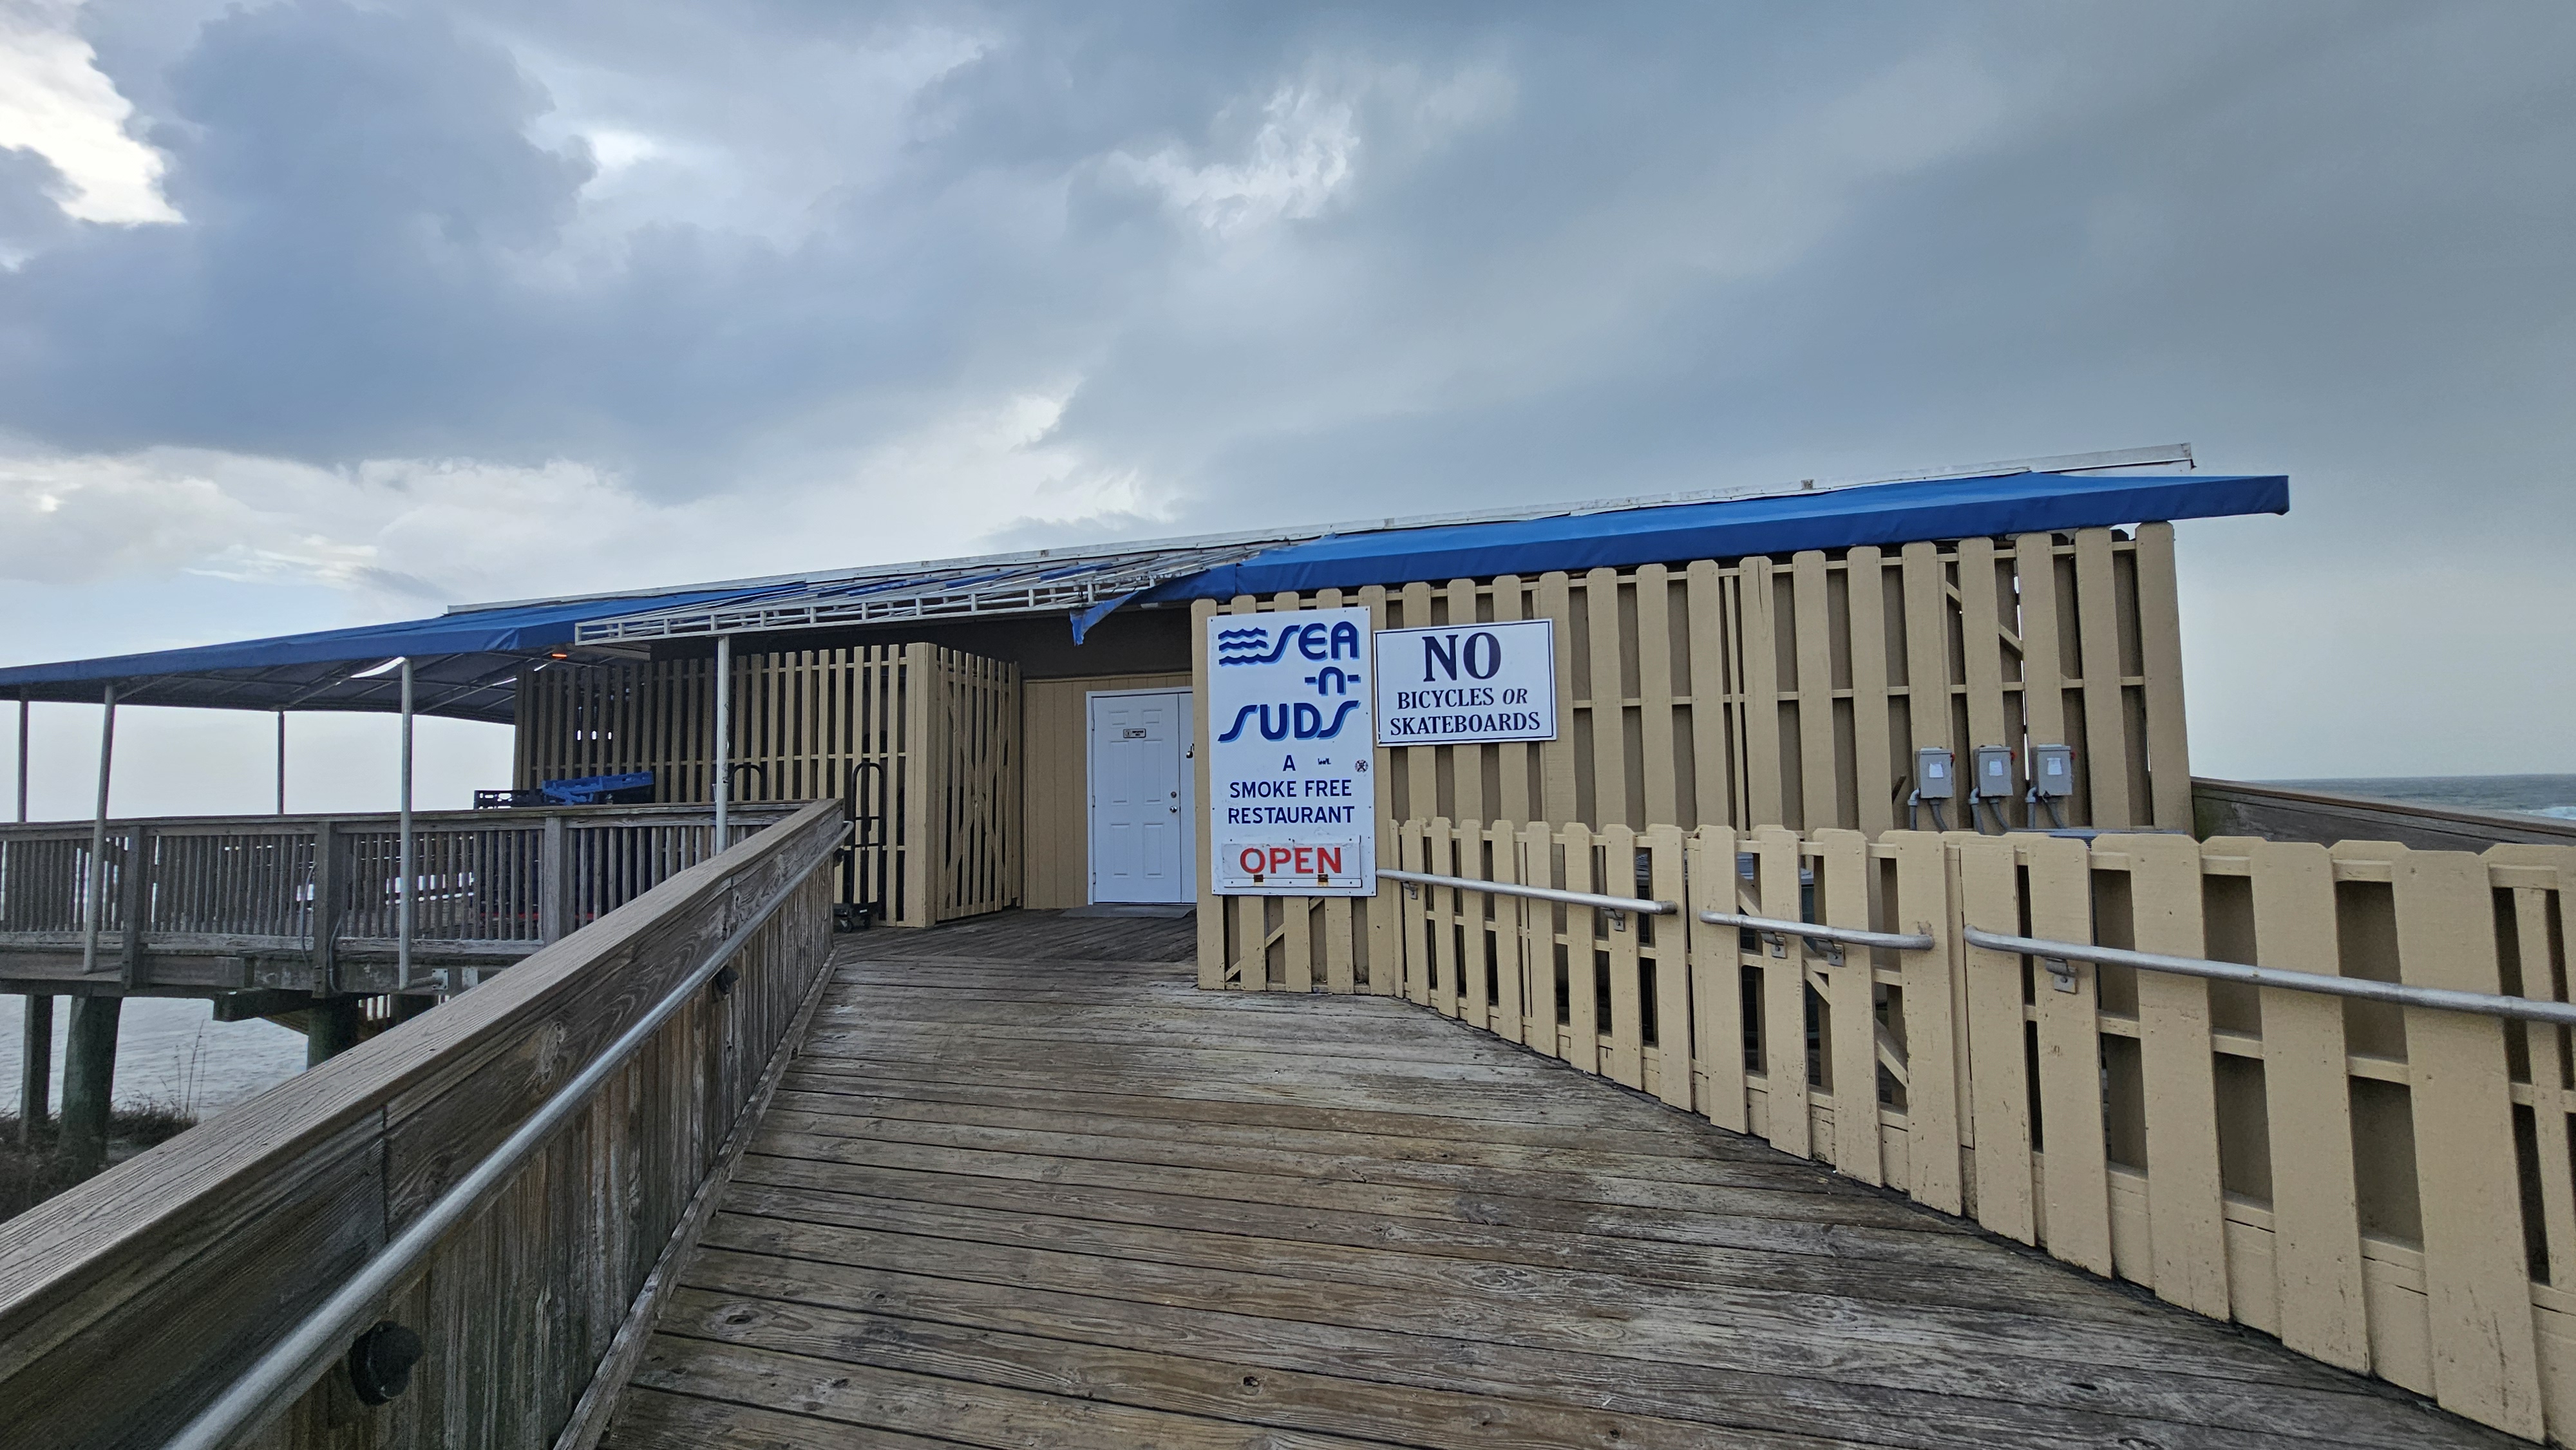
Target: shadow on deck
x,y
1026,1186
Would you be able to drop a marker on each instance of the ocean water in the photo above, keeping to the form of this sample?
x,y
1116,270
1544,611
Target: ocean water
x,y
169,1050
2532,795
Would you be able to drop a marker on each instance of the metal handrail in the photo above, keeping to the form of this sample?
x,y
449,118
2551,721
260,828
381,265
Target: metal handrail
x,y
2444,999
1593,899
1840,935
285,1371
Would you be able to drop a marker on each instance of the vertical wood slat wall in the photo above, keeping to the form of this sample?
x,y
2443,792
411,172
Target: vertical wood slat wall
x,y
1772,692
805,723
2387,1189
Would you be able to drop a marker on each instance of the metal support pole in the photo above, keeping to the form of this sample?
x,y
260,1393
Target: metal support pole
x,y
98,839
35,1069
402,912
22,754
281,762
724,739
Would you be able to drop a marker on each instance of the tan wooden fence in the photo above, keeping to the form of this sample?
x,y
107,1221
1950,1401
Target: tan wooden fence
x,y
1792,692
2386,1188
818,724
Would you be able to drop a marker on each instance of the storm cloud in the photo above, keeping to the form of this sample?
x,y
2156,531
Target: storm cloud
x,y
631,283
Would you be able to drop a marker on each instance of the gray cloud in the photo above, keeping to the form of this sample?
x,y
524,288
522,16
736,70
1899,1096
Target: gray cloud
x,y
1332,261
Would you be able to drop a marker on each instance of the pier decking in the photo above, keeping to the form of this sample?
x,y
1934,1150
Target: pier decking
x,y
1025,1186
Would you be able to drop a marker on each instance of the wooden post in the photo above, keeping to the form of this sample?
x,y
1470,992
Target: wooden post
x,y
724,740
35,1068
134,900
331,1028
98,841
89,1081
919,808
554,882
327,891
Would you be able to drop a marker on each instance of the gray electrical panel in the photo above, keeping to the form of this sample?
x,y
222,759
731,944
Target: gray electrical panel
x,y
1994,772
2052,771
1933,780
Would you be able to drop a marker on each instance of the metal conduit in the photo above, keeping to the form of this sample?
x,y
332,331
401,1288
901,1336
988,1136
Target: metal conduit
x,y
2441,999
1847,936
1534,893
269,1386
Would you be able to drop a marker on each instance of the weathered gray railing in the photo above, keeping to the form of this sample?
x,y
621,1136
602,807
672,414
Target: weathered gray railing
x,y
134,1303
213,904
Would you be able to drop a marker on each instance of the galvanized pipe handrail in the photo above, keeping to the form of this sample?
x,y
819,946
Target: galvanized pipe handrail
x,y
1846,935
285,1371
1593,899
2442,999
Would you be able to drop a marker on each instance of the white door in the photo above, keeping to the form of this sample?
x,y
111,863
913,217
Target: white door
x,y
1141,789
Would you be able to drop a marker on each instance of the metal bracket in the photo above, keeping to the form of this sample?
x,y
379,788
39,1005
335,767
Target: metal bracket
x,y
1412,891
1618,919
1831,951
2061,973
1778,943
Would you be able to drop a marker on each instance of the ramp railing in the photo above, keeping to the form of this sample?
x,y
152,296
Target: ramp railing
x,y
454,1234
2323,1092
310,902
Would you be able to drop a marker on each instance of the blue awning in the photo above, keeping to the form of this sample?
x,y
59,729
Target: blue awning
x,y
466,661
464,667
1776,524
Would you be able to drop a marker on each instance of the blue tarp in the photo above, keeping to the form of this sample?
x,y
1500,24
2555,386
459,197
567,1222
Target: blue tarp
x,y
1883,514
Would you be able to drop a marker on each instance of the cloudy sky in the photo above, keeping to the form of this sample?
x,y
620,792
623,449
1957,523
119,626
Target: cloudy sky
x,y
315,313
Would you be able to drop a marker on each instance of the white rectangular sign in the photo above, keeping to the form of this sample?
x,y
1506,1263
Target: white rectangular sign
x,y
1292,804
1462,684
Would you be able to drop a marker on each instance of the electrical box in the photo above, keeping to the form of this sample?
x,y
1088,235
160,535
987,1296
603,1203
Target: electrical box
x,y
1994,772
2052,771
1933,779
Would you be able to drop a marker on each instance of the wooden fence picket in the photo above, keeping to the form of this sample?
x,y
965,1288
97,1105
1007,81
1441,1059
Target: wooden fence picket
x,y
1623,1058
2476,1280
1582,967
2076,1175
1673,1017
2186,1208
1717,979
1789,1116
1851,1005
2316,1224
1935,1066
1998,1075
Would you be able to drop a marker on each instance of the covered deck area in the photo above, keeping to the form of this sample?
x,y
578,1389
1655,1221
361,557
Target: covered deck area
x,y
1023,1186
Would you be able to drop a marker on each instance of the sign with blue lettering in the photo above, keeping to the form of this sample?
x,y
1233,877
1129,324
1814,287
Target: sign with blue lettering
x,y
1457,684
1292,803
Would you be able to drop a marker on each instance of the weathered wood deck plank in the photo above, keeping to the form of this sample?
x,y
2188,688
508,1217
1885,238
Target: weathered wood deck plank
x,y
1026,1187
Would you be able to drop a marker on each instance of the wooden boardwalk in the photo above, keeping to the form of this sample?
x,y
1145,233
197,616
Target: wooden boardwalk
x,y
1026,1187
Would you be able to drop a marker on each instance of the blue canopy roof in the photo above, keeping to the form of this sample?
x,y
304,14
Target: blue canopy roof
x,y
466,661
1891,513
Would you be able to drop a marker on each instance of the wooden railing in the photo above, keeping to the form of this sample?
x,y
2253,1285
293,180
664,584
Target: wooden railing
x,y
308,902
134,1302
2387,1188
